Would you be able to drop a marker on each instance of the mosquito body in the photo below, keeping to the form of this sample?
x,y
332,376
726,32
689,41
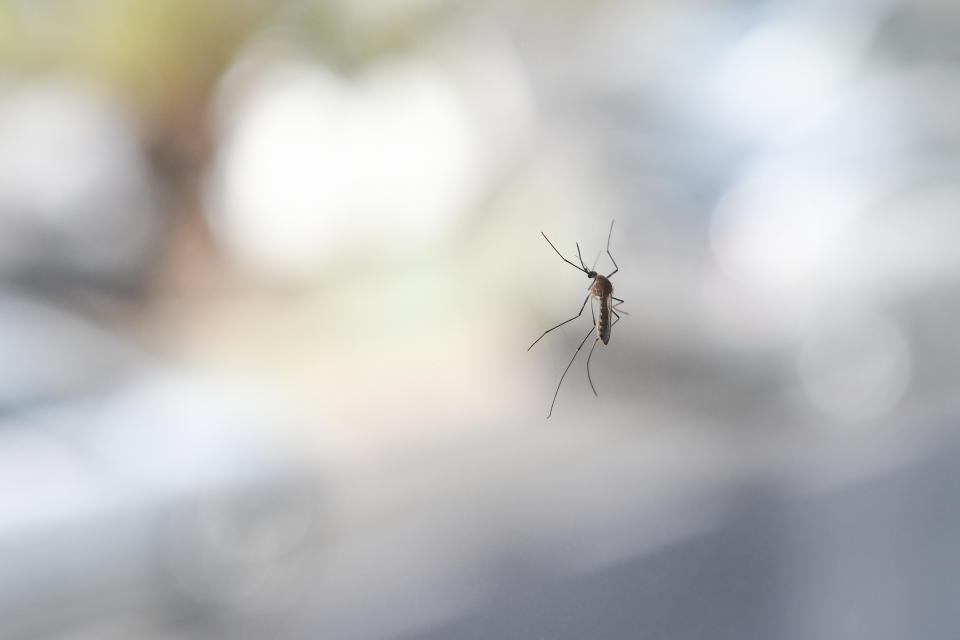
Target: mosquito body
x,y
602,290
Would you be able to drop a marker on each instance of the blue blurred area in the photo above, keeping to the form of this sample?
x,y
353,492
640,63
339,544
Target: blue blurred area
x,y
268,273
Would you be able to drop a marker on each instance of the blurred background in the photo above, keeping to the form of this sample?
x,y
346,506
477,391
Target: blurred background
x,y
269,271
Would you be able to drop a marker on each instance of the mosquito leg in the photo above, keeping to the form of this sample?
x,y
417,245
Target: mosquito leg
x,y
562,323
615,267
554,401
615,320
588,364
595,261
614,306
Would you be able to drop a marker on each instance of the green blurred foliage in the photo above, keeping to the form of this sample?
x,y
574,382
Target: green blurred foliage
x,y
156,52
153,52
163,58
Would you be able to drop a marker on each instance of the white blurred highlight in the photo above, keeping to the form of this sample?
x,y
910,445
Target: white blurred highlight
x,y
773,228
311,160
856,367
908,242
779,77
60,486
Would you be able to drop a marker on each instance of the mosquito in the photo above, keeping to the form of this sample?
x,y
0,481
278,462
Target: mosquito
x,y
602,289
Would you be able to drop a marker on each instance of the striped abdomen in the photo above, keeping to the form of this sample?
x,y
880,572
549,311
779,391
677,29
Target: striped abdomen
x,y
603,320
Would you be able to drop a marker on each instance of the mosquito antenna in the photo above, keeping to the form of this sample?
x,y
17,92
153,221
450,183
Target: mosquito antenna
x,y
581,259
584,268
554,401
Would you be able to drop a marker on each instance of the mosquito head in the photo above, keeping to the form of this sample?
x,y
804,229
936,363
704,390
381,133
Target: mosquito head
x,y
591,274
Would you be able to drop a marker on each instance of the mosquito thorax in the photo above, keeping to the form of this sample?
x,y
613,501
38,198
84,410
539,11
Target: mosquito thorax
x,y
601,287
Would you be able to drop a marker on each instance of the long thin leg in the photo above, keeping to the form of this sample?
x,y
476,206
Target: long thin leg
x,y
614,306
588,364
615,320
562,323
554,401
615,267
584,269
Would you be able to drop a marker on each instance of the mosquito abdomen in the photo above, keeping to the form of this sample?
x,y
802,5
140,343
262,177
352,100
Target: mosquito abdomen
x,y
603,320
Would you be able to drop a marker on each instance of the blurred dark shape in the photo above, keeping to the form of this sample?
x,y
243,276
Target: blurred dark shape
x,y
78,210
915,34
